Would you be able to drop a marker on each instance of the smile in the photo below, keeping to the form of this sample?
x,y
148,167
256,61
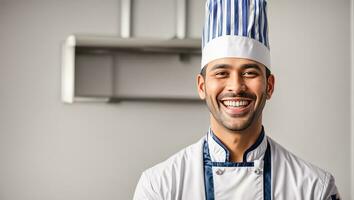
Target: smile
x,y
237,107
236,103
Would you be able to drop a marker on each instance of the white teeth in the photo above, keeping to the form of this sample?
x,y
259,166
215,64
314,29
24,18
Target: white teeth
x,y
236,103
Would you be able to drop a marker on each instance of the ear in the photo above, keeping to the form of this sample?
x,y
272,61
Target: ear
x,y
270,86
201,86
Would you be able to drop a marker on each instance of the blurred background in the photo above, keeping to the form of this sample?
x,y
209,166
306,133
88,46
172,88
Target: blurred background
x,y
51,150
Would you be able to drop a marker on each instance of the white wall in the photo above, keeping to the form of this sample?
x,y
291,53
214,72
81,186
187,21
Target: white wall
x,y
309,114
352,97
53,151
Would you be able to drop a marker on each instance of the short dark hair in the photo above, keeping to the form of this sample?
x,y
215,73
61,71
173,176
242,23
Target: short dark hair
x,y
268,72
203,72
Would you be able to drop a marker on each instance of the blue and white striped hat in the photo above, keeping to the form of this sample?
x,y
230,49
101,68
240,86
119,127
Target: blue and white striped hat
x,y
236,28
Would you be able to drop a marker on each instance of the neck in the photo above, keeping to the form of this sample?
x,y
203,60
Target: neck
x,y
237,142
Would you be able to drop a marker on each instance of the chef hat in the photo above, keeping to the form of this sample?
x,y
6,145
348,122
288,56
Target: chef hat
x,y
236,28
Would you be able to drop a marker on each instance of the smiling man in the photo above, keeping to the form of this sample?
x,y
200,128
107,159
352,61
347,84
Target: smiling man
x,y
236,90
236,159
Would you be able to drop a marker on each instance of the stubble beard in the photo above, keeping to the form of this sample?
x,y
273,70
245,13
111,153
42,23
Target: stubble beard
x,y
222,118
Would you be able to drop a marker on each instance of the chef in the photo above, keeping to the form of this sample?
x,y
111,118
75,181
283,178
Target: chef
x,y
236,160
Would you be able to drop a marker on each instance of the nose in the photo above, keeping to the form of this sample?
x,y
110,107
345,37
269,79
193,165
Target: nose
x,y
236,84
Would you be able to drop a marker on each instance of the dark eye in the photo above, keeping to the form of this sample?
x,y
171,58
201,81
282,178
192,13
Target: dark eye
x,y
250,74
221,74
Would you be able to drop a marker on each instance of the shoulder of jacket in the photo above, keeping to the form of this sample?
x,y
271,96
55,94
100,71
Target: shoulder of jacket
x,y
176,162
166,179
298,166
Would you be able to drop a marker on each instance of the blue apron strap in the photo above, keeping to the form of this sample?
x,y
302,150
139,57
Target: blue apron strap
x,y
208,174
267,175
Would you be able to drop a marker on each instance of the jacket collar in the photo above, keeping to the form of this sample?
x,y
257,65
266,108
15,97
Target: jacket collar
x,y
219,152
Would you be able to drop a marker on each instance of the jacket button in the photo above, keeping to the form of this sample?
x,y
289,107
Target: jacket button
x,y
257,171
219,172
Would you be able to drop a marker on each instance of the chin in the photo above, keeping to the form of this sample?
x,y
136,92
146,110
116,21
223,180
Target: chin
x,y
237,127
239,123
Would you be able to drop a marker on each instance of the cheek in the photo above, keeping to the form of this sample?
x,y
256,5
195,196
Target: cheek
x,y
213,87
258,87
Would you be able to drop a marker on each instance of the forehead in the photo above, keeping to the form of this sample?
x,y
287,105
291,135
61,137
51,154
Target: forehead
x,y
234,63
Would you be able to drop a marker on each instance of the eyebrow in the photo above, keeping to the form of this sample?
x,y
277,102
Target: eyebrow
x,y
244,66
220,66
251,65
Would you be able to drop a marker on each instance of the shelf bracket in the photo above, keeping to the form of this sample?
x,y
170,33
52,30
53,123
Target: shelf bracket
x,y
126,6
181,19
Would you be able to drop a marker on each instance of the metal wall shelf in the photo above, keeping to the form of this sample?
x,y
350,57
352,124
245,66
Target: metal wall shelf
x,y
78,46
83,44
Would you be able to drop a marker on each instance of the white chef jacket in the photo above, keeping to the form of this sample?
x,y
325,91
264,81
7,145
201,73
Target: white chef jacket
x,y
203,171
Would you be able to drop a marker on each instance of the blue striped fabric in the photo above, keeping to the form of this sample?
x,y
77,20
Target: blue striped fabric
x,y
245,18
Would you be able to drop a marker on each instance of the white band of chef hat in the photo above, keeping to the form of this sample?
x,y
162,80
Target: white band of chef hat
x,y
236,28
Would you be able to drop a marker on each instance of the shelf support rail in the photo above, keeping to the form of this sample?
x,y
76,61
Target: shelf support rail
x,y
181,19
126,6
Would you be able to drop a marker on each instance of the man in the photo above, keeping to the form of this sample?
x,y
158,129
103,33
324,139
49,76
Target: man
x,y
235,160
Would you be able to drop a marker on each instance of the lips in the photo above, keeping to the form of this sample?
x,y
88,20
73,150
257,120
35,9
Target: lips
x,y
237,107
236,103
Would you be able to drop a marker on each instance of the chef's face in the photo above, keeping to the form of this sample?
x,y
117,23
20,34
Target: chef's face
x,y
235,91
